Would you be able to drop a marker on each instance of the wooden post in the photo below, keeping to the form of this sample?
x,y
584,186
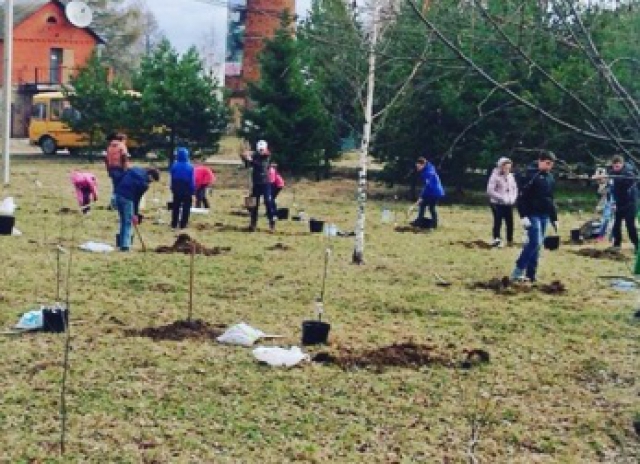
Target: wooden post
x,y
191,273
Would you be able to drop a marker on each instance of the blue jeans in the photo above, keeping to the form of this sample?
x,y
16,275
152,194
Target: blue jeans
x,y
530,254
125,211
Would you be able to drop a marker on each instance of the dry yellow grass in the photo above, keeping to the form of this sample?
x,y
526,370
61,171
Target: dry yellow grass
x,y
561,385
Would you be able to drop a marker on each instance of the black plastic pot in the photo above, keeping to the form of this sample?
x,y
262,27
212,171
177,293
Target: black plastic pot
x,y
575,236
282,214
169,205
552,242
55,320
315,332
6,225
316,226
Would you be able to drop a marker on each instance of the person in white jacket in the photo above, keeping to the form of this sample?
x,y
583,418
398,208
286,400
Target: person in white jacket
x,y
503,193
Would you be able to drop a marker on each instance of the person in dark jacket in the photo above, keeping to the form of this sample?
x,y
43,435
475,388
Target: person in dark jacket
x,y
260,163
130,189
432,192
536,208
183,187
625,197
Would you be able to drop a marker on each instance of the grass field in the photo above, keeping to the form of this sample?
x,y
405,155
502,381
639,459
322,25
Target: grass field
x,y
561,386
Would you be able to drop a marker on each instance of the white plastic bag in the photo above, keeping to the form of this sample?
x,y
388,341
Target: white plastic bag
x,y
32,320
240,334
7,207
276,356
96,247
195,210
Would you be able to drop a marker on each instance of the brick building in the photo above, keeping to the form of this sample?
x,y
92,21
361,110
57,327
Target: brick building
x,y
257,20
47,50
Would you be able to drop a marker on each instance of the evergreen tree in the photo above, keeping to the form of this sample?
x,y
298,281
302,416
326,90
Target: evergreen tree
x,y
97,105
285,107
179,101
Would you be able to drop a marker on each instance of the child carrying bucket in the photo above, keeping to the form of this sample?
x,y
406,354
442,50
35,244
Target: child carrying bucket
x,y
86,188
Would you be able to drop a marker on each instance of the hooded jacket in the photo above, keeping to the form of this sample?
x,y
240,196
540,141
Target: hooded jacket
x,y
536,193
625,190
275,178
84,181
133,185
182,176
432,185
502,188
204,176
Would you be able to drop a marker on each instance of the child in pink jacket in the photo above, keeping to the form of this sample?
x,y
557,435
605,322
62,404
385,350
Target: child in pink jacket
x,y
204,178
86,187
503,193
277,183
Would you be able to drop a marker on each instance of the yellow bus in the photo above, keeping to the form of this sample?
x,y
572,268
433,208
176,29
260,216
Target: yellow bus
x,y
46,128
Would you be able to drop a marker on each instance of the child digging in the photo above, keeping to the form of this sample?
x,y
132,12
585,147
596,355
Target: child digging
x,y
86,187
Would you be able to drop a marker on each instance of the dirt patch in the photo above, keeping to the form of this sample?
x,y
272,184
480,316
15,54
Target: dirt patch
x,y
279,247
609,254
554,288
475,244
179,330
241,213
505,286
163,287
184,244
413,230
202,227
407,355
66,210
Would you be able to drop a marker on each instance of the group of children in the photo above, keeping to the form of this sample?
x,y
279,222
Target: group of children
x,y
186,182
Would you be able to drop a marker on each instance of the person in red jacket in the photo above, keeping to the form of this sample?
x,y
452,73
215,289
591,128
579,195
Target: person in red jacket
x,y
277,183
205,178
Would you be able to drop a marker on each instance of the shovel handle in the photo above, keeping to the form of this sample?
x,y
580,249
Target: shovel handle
x,y
144,247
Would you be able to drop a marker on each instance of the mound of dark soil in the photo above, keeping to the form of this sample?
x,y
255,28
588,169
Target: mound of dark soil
x,y
178,330
279,247
506,286
475,244
66,210
407,354
502,286
240,212
612,255
184,244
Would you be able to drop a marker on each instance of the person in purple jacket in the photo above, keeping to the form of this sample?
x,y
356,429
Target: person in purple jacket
x,y
503,193
432,192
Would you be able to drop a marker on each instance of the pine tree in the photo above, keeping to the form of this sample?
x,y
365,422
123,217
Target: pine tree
x,y
285,107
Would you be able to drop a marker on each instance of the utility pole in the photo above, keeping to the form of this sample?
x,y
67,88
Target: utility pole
x,y
358,252
8,87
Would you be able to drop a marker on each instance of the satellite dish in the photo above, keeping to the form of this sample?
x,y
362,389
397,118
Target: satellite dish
x,y
79,14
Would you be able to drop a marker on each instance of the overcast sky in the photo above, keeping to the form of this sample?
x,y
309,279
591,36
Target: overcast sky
x,y
187,22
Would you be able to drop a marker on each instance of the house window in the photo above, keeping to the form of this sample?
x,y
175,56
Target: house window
x,y
39,111
55,65
52,20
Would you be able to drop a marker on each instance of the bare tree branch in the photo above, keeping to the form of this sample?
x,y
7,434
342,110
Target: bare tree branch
x,y
512,94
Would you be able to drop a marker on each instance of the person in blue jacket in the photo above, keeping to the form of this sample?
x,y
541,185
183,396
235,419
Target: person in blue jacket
x,y
130,189
183,187
432,192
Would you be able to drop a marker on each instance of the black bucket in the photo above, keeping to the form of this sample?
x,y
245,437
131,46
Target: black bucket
x,y
316,226
6,225
552,242
315,332
282,213
575,236
55,320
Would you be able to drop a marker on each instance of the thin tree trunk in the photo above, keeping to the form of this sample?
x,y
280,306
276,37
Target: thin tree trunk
x,y
358,252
